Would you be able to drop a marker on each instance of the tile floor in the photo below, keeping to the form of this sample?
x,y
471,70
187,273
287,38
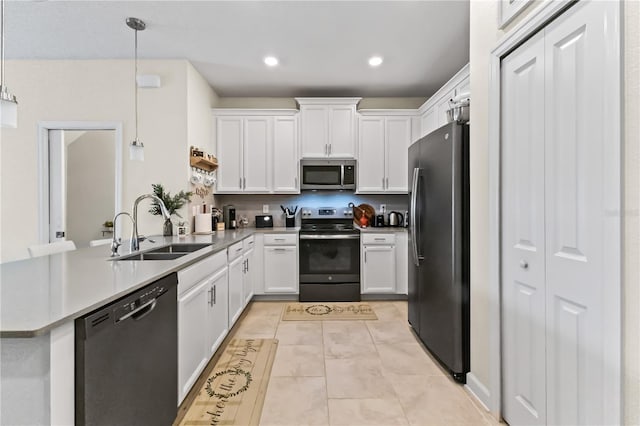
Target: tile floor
x,y
355,372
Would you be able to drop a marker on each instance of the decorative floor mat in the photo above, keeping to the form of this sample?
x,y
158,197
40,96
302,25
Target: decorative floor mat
x,y
333,311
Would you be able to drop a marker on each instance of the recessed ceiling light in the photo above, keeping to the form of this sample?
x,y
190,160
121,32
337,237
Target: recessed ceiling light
x,y
375,61
271,61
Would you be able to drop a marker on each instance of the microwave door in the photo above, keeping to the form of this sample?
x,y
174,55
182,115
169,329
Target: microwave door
x,y
322,177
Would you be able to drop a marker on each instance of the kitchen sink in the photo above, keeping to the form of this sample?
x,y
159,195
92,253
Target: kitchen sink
x,y
180,248
152,256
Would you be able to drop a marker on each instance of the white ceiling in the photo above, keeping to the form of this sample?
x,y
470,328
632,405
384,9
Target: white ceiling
x,y
323,46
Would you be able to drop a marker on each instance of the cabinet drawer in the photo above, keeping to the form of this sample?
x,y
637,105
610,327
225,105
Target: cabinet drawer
x,y
235,250
280,239
195,273
370,239
248,243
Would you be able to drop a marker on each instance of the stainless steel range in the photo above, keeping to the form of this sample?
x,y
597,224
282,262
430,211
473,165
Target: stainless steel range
x,y
329,255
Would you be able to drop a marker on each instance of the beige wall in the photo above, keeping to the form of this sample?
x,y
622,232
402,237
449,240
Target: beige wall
x,y
90,184
484,35
97,90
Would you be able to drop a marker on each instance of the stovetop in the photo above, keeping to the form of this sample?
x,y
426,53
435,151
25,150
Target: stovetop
x,y
327,219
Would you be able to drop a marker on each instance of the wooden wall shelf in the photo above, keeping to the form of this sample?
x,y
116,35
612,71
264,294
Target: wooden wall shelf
x,y
203,163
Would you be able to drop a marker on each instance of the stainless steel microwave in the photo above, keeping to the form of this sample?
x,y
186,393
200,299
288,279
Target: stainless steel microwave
x,y
328,174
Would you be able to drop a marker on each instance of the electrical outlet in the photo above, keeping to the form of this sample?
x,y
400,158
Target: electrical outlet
x,y
383,208
265,208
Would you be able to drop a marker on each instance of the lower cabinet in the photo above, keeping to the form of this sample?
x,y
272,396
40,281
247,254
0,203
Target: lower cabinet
x,y
236,298
280,263
248,269
384,263
202,317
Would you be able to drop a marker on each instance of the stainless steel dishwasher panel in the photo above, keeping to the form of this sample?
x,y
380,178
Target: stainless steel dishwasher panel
x,y
126,359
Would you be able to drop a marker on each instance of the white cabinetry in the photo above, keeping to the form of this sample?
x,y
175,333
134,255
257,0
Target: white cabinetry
x,y
384,138
236,286
256,150
433,113
248,270
328,127
280,263
378,263
202,317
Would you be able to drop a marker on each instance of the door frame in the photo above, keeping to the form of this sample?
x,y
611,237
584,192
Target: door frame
x,y
43,164
490,394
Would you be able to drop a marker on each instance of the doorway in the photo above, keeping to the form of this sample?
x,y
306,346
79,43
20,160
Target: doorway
x,y
80,180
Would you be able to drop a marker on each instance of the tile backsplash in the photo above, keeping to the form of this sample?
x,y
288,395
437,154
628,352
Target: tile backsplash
x,y
251,205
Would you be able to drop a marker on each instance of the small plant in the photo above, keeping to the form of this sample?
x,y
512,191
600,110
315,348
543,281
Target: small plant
x,y
172,203
108,224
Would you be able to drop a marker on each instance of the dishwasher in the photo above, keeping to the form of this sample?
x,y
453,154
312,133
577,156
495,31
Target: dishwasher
x,y
127,358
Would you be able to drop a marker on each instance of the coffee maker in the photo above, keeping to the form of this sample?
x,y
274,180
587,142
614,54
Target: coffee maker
x,y
229,215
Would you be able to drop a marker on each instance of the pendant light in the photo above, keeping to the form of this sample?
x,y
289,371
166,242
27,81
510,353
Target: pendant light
x,y
136,148
8,102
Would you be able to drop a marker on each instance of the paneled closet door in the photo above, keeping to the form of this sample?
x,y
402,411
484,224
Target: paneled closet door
x,y
581,181
523,247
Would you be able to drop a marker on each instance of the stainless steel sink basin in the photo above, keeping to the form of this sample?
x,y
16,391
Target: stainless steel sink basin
x,y
152,256
180,248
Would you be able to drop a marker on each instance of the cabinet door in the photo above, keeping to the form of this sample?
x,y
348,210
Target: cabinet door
x,y
257,154
342,140
379,269
247,280
192,344
464,86
315,131
442,106
371,155
285,155
229,152
280,269
523,289
398,138
217,319
235,290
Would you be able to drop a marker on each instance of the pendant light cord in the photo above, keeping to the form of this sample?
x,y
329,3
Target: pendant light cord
x,y
135,80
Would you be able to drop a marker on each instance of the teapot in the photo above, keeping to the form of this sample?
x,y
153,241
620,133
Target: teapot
x,y
396,219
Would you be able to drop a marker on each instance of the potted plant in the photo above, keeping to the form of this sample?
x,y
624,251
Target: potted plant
x,y
172,203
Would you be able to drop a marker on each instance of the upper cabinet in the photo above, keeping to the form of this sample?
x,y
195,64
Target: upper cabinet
x,y
433,113
384,139
256,150
328,127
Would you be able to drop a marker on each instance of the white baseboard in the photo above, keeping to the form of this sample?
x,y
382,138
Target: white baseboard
x,y
478,391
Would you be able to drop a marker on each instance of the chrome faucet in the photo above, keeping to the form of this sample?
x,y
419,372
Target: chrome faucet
x,y
135,239
117,242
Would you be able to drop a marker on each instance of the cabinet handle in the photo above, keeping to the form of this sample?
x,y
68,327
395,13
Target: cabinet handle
x,y
524,264
329,149
279,249
247,265
210,297
238,249
379,239
244,183
387,187
278,239
326,149
365,257
295,182
240,184
382,183
214,294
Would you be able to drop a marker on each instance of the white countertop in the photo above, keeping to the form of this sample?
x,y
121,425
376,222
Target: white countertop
x,y
381,229
39,294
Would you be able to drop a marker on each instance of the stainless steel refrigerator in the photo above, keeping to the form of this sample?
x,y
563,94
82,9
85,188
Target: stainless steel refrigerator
x,y
439,245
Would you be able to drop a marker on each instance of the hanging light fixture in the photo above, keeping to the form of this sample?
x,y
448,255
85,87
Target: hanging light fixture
x,y
8,102
136,148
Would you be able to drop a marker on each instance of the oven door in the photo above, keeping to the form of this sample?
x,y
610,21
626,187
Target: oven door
x,y
330,258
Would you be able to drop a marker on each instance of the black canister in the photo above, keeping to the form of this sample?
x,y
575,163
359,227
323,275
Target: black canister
x,y
379,220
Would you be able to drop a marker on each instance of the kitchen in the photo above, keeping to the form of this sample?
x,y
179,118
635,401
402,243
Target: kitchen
x,y
100,90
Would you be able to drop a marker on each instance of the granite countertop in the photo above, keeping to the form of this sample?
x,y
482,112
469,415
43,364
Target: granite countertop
x,y
42,293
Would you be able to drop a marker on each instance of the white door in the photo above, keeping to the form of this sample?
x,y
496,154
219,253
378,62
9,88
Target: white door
x,y
314,127
257,154
398,138
379,269
580,248
582,182
342,140
247,279
217,318
285,155
371,155
523,247
229,152
235,290
280,269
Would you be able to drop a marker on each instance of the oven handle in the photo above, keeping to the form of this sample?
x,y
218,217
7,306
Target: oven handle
x,y
330,237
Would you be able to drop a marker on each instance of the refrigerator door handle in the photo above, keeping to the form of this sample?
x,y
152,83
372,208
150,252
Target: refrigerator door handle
x,y
414,218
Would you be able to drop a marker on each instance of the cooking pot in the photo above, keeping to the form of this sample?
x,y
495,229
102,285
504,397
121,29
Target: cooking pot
x,y
396,219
